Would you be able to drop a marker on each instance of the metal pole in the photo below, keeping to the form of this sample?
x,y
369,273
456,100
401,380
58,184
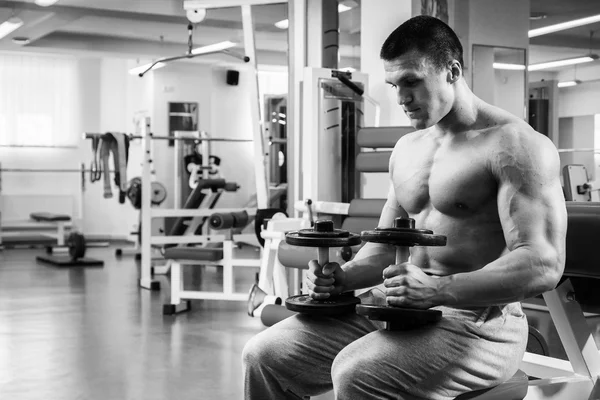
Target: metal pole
x,y
297,61
260,153
146,229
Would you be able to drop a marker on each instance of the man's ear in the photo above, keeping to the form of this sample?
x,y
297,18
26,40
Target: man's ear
x,y
454,71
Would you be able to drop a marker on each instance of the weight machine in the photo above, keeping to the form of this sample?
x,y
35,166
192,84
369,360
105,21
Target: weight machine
x,y
43,223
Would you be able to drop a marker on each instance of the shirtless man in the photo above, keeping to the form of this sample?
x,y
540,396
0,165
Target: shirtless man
x,y
472,172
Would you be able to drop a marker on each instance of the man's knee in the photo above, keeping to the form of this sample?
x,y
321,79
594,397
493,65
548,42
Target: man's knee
x,y
257,350
351,370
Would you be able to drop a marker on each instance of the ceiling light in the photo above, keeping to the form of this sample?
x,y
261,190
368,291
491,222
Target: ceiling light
x,y
142,68
283,24
45,3
213,48
346,5
562,63
569,83
195,4
10,25
564,25
342,7
535,16
513,67
20,40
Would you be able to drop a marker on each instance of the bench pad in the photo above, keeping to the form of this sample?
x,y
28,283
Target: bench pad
x,y
49,217
194,253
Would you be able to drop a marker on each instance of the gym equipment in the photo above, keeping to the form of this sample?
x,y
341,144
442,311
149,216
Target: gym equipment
x,y
403,235
323,236
134,193
148,239
237,219
20,226
76,258
261,218
219,256
258,299
190,53
536,344
272,277
577,186
272,314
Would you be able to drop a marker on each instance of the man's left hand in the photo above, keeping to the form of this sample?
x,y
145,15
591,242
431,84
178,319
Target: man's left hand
x,y
408,286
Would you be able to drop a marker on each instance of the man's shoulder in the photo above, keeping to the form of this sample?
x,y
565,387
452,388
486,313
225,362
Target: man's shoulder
x,y
517,144
517,135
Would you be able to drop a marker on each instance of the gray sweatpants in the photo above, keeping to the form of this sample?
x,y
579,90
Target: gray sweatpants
x,y
469,349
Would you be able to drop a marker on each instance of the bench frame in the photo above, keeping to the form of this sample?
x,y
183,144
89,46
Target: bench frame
x,y
228,261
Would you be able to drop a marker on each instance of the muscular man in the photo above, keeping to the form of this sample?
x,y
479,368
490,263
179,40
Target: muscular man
x,y
472,172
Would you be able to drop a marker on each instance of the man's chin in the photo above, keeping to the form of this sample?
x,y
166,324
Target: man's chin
x,y
420,124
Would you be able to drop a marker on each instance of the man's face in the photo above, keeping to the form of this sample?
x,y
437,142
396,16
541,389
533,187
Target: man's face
x,y
424,92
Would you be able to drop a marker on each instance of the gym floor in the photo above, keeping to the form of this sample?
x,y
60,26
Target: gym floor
x,y
91,333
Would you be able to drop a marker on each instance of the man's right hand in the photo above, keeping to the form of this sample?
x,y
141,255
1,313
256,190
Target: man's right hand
x,y
324,282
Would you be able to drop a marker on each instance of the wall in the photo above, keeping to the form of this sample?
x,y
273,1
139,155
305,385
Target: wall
x,y
494,23
26,192
579,100
378,19
509,91
578,132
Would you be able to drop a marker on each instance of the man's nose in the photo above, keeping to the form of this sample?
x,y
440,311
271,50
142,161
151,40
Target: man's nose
x,y
404,97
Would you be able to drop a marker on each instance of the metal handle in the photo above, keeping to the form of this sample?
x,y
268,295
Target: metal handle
x,y
402,254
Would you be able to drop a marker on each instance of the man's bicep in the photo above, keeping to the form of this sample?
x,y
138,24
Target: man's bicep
x,y
531,203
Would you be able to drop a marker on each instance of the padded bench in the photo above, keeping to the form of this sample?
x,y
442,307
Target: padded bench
x,y
49,217
58,220
194,253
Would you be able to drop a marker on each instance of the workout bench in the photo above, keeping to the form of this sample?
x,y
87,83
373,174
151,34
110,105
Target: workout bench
x,y
60,221
210,256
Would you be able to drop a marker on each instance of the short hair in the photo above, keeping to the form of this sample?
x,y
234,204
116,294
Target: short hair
x,y
429,36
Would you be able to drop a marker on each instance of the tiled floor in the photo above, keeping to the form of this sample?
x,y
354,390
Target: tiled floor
x,y
91,333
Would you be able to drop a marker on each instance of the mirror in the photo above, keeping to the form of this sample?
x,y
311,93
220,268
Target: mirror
x,y
500,77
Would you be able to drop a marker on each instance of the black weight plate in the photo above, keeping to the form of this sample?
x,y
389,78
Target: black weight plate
x,y
76,245
337,305
295,239
536,343
336,233
399,317
403,237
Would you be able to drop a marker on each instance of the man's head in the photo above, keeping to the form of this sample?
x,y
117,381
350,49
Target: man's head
x,y
423,59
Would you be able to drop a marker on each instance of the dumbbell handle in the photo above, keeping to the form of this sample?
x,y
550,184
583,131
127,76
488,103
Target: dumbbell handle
x,y
323,256
402,254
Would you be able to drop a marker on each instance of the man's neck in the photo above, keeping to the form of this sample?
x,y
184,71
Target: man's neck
x,y
464,112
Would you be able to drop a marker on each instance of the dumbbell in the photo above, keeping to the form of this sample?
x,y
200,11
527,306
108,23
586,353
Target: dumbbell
x,y
323,236
403,235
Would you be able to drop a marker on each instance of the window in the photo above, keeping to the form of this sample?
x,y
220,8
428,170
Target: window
x,y
39,104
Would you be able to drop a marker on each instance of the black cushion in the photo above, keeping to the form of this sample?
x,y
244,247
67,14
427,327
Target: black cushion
x,y
583,231
366,208
49,217
194,253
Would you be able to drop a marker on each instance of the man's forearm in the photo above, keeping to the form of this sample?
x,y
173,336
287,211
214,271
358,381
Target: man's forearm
x,y
366,269
520,274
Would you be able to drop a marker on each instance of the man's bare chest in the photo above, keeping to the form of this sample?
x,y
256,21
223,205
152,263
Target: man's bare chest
x,y
455,179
